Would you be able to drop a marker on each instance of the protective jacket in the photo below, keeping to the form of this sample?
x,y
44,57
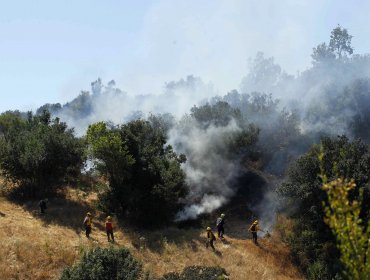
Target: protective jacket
x,y
210,235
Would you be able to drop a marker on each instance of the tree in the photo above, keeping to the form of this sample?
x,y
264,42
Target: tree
x,y
339,46
263,76
145,178
340,42
311,239
322,53
38,153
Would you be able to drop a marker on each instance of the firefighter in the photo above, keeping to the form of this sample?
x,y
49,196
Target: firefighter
x,y
220,226
87,224
109,229
43,205
254,228
210,239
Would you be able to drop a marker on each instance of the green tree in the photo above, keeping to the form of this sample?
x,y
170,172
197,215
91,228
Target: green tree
x,y
322,53
39,152
339,46
312,241
340,42
145,178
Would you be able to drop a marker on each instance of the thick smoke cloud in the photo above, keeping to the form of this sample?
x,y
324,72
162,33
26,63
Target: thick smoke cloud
x,y
109,103
209,169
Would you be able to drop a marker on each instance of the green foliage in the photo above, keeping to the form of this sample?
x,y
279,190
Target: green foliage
x,y
105,264
145,179
38,152
312,239
343,217
339,46
219,114
197,273
340,42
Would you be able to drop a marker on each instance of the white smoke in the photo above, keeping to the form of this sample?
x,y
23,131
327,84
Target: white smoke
x,y
209,168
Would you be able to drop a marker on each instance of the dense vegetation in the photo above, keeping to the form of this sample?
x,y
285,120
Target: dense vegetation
x,y
145,179
38,152
343,215
312,242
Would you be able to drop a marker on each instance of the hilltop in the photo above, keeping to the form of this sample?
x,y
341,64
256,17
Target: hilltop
x,y
39,247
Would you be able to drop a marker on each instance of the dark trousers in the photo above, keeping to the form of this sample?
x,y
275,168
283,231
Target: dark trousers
x,y
210,243
87,231
220,231
110,235
42,209
254,236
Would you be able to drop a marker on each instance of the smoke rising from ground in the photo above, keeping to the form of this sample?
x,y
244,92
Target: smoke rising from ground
x,y
209,170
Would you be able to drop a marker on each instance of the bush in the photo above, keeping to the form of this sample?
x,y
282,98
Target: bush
x,y
197,273
104,264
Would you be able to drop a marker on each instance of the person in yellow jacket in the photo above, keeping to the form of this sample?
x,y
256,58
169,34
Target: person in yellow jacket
x,y
87,224
210,239
254,228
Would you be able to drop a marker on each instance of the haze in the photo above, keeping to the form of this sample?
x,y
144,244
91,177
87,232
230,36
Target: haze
x,y
50,50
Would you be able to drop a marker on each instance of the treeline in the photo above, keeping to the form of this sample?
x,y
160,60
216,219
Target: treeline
x,y
145,181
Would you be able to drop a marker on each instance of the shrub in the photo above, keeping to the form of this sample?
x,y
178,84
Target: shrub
x,y
197,273
104,264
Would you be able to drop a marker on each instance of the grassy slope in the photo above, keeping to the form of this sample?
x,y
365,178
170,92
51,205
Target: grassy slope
x,y
38,247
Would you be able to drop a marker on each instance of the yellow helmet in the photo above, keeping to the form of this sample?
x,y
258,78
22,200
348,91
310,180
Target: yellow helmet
x,y
88,214
208,229
222,215
109,218
255,222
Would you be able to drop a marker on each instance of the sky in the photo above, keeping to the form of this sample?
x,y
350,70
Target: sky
x,y
51,50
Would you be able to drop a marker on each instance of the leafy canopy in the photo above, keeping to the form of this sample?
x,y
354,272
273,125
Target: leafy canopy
x,y
38,152
144,174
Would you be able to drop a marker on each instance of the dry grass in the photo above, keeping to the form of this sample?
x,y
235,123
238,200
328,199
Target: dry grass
x,y
39,247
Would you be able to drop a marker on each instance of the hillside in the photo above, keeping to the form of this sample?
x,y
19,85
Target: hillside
x,y
38,247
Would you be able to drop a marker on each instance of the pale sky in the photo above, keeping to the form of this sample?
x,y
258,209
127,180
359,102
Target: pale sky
x,y
51,50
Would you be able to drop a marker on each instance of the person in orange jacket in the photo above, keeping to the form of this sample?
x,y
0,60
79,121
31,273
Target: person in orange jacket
x,y
109,229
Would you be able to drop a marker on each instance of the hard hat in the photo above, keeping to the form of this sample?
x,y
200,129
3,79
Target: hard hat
x,y
255,222
88,214
222,215
109,218
208,228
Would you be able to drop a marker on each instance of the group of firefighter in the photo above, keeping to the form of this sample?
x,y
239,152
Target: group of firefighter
x,y
253,229
87,223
